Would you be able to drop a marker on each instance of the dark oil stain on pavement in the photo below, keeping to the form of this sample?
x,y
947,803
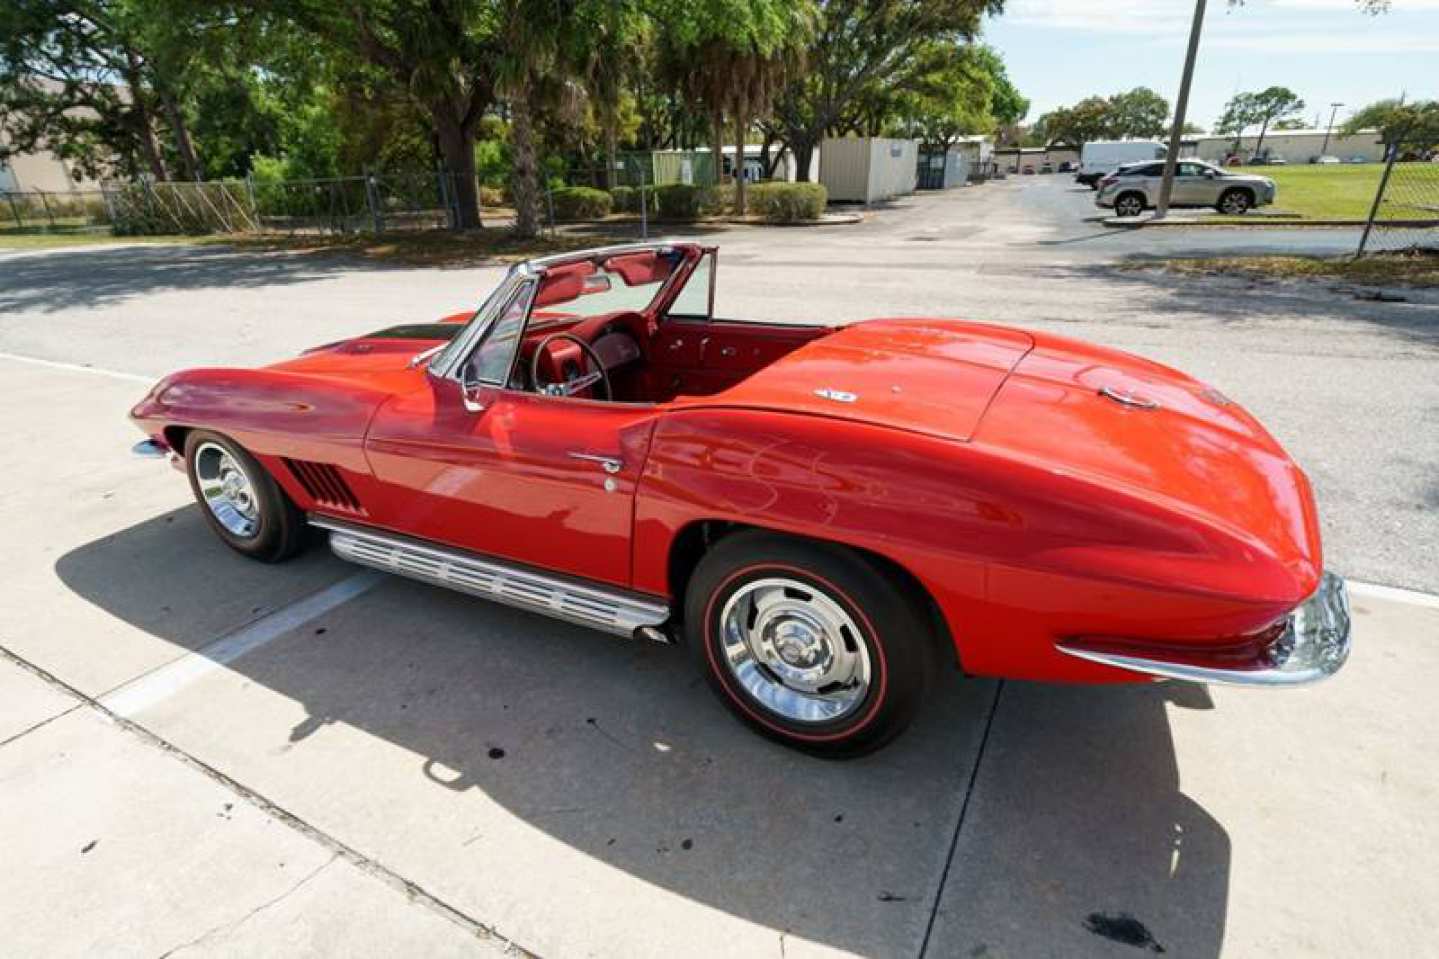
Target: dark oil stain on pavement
x,y
1122,928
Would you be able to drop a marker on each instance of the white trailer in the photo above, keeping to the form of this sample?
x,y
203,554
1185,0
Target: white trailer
x,y
867,170
1103,157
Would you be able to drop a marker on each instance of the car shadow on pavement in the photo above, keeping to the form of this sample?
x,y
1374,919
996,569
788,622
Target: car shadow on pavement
x,y
1078,835
1233,299
618,751
91,278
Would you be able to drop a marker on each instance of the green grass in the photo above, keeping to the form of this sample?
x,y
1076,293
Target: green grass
x,y
1324,191
1405,269
13,238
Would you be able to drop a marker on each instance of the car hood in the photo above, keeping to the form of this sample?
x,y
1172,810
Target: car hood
x,y
1124,424
380,359
923,375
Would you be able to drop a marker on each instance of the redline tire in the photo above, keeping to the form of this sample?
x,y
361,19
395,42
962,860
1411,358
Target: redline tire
x,y
882,636
251,514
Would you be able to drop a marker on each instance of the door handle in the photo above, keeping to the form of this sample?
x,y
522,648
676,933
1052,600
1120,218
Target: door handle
x,y
609,464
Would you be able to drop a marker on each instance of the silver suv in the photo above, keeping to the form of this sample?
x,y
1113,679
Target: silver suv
x,y
1132,189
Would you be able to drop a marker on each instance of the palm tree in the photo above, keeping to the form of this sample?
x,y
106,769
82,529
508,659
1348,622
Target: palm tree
x,y
533,69
731,56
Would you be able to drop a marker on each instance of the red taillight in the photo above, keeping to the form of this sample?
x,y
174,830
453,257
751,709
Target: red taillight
x,y
1111,178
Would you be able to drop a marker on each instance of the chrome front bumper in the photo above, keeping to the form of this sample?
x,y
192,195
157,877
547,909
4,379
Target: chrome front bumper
x,y
1314,644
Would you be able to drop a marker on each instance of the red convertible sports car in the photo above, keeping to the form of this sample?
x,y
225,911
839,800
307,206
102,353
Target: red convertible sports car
x,y
825,516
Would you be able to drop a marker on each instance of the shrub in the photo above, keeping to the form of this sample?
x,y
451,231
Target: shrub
x,y
687,201
580,203
627,198
787,202
679,201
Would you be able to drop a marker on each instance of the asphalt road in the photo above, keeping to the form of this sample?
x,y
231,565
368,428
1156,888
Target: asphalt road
x,y
202,753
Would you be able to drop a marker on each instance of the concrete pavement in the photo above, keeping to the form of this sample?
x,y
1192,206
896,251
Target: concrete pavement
x,y
439,775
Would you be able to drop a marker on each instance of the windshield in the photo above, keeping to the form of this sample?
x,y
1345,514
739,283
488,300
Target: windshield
x,y
483,317
623,282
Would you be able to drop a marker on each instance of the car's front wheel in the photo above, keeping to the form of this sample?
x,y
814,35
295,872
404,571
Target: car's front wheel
x,y
810,644
1235,202
241,501
1129,204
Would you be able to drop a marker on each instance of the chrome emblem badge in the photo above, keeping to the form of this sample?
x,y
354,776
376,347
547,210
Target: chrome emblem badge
x,y
839,396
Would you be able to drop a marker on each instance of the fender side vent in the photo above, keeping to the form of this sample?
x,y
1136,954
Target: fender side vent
x,y
324,484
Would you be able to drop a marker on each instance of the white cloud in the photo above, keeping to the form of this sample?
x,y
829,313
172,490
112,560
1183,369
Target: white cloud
x,y
1332,43
1164,16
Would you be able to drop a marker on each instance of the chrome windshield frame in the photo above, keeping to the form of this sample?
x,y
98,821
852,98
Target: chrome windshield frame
x,y
450,360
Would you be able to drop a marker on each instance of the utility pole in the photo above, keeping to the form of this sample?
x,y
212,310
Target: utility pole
x,y
1333,109
1181,105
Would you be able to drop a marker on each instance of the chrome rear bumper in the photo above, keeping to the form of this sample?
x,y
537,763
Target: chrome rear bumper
x,y
1313,646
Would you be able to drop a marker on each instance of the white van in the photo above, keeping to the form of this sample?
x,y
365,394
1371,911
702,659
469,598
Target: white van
x,y
1103,157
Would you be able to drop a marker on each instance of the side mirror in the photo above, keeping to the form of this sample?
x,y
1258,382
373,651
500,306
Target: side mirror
x,y
471,393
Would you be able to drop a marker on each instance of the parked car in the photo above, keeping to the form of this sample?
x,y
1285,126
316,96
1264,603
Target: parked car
x,y
1028,169
1133,189
1046,168
1066,166
1103,157
1356,159
828,518
1325,159
1267,160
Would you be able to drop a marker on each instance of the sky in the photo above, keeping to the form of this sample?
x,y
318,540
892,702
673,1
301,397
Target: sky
x,y
1061,51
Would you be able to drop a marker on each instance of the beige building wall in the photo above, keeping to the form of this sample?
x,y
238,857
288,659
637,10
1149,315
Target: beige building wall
x,y
30,172
1296,146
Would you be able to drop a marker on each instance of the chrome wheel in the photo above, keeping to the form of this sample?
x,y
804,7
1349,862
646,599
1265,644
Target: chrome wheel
x,y
1129,205
795,650
227,490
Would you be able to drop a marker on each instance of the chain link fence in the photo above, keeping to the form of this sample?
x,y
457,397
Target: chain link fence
x,y
1405,214
372,203
39,211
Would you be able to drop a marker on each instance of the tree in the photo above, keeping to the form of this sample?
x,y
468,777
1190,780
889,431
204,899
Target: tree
x,y
1269,105
1006,104
952,89
1397,121
857,43
1087,120
95,82
732,56
617,32
1240,113
442,55
1136,114
1139,114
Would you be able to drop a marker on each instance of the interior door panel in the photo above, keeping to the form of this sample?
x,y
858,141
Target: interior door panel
x,y
700,357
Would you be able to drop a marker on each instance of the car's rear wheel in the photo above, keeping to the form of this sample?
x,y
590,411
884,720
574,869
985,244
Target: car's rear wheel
x,y
1129,204
240,500
1235,202
809,643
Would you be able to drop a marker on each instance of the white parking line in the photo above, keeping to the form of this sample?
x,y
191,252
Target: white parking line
x,y
159,684
1394,594
78,368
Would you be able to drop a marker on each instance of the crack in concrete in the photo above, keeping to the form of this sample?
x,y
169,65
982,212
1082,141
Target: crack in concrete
x,y
233,924
412,890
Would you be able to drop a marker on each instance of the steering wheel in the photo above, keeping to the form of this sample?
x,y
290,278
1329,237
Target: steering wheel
x,y
582,382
